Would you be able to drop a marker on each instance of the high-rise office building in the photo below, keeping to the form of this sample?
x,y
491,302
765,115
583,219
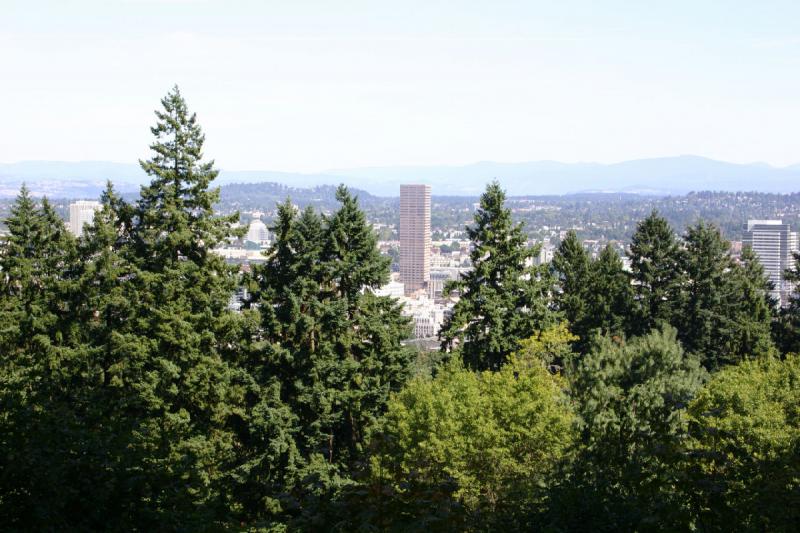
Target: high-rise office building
x,y
80,213
773,242
415,236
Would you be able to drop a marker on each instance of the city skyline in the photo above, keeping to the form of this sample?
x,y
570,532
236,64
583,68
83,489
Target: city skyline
x,y
522,340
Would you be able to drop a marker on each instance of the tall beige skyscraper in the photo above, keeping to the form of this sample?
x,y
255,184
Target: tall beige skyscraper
x,y
415,236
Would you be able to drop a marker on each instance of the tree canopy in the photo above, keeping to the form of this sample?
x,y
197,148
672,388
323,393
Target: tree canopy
x,y
145,384
504,298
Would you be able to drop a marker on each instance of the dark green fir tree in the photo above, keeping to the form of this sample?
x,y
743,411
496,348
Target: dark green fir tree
x,y
504,298
190,391
37,265
331,347
609,298
571,268
726,317
656,264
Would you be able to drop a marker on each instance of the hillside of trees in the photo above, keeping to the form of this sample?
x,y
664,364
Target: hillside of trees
x,y
259,196
574,396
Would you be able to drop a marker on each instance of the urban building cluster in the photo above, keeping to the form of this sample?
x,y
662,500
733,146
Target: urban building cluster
x,y
422,267
250,248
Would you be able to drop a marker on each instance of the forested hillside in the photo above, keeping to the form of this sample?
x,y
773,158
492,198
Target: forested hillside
x,y
266,196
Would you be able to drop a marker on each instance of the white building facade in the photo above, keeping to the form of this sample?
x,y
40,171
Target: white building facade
x,y
257,232
81,213
774,243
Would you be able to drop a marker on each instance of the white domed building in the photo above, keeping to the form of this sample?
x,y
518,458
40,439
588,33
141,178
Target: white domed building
x,y
257,232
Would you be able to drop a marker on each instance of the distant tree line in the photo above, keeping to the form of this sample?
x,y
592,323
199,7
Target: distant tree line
x,y
609,216
567,397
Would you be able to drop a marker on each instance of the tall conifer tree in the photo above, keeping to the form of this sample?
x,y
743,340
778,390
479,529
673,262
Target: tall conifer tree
x,y
571,267
609,298
189,390
332,344
726,317
656,263
705,325
503,299
757,312
36,368
787,328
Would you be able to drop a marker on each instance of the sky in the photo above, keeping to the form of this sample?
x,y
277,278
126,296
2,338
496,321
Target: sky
x,y
309,86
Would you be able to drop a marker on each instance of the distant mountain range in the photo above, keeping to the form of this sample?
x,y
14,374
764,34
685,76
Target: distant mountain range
x,y
668,175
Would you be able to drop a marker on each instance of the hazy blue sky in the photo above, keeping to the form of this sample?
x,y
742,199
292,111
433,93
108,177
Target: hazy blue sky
x,y
304,86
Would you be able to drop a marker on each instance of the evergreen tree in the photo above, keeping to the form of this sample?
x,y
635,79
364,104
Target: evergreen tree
x,y
188,389
37,265
727,313
757,310
37,259
58,267
630,399
706,325
502,300
20,369
787,328
350,254
332,347
18,267
571,267
656,261
609,298
102,387
290,280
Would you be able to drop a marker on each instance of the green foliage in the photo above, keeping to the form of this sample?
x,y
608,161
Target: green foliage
x,y
609,298
727,313
755,313
631,399
130,394
656,260
330,345
787,329
745,448
188,391
496,435
571,267
36,425
132,398
501,300
595,296
720,307
551,346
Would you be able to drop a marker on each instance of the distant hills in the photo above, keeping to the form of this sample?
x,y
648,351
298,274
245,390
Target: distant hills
x,y
668,175
266,195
